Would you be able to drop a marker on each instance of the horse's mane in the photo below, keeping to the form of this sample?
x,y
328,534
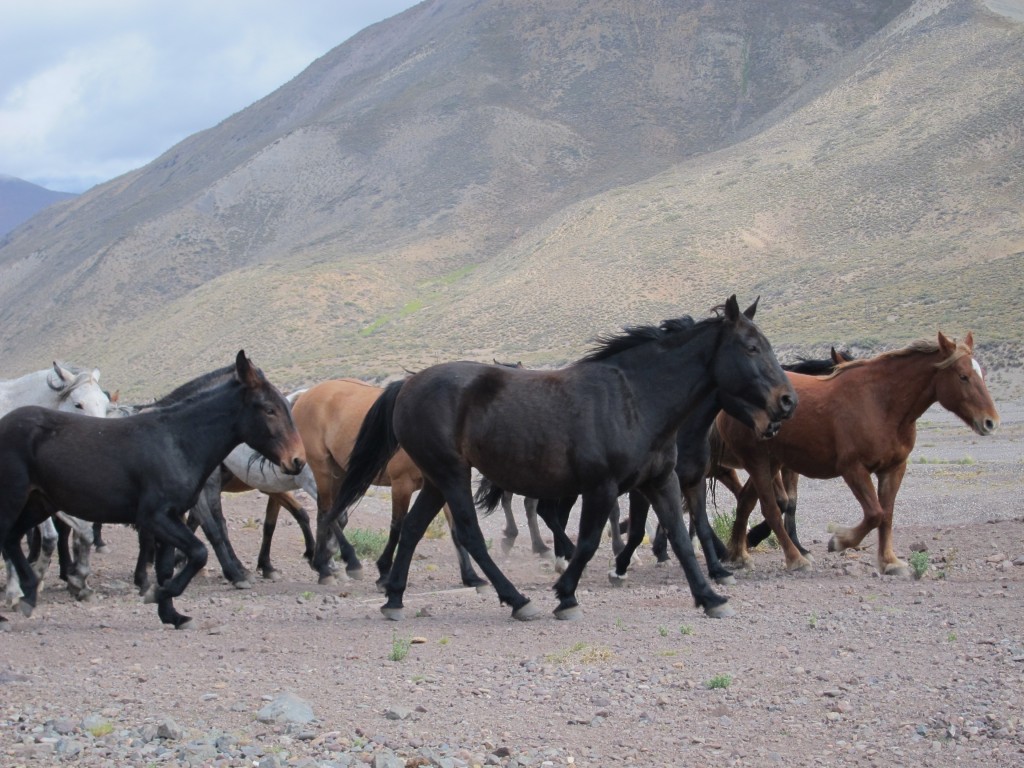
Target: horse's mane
x,y
677,330
195,386
811,366
65,388
919,347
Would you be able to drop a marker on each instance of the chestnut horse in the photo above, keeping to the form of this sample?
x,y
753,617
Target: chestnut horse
x,y
859,421
328,416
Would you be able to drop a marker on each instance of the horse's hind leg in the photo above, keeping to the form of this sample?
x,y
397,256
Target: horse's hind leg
x,y
511,532
171,534
667,502
466,572
638,509
536,540
77,569
555,514
49,542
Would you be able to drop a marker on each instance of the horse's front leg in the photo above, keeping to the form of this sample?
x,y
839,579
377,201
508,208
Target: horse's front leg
x,y
875,514
210,514
666,499
762,476
263,563
596,509
170,534
696,501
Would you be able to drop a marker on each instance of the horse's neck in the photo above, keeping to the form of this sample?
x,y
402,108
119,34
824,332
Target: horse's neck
x,y
207,426
676,385
30,389
907,388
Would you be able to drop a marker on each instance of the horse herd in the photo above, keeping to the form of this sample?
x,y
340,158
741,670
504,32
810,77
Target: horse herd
x,y
654,411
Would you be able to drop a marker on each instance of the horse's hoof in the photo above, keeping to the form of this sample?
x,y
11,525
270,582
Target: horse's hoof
x,y
187,624
382,587
900,570
356,574
573,613
484,588
723,611
102,549
242,584
800,564
507,545
272,575
834,544
25,608
327,581
526,612
543,549
84,595
616,580
392,614
726,581
561,564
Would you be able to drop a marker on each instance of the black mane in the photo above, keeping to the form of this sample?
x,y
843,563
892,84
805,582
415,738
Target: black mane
x,y
678,329
196,385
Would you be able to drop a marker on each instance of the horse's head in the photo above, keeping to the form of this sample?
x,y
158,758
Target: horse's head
x,y
79,392
960,385
267,425
752,387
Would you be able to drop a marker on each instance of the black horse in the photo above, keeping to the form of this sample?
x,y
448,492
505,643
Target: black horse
x,y
145,470
597,428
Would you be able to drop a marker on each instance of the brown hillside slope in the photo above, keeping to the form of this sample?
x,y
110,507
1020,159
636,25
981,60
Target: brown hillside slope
x,y
468,179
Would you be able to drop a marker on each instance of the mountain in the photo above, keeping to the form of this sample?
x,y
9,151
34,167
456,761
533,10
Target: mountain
x,y
487,178
21,200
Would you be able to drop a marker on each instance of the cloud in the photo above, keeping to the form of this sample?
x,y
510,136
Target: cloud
x,y
89,91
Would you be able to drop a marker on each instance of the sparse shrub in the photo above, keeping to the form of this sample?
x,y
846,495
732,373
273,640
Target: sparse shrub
x,y
919,563
368,544
719,681
399,648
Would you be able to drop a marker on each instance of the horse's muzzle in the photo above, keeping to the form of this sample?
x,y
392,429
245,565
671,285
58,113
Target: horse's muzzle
x,y
293,467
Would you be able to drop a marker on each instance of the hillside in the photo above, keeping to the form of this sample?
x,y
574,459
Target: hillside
x,y
20,200
478,179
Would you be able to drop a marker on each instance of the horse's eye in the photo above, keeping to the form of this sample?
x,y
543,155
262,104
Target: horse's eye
x,y
269,410
752,349
79,406
964,378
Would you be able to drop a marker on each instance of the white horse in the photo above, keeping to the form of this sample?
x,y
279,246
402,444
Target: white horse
x,y
63,388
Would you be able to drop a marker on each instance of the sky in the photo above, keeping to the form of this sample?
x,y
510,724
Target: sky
x,y
91,89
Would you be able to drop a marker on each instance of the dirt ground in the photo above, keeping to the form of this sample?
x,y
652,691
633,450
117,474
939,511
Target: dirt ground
x,y
835,666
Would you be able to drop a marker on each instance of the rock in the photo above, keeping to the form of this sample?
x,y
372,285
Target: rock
x,y
398,713
286,708
168,729
918,546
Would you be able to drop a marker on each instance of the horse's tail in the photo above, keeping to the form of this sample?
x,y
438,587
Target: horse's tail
x,y
375,444
487,496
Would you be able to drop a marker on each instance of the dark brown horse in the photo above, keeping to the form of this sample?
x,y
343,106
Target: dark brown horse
x,y
147,470
858,422
598,428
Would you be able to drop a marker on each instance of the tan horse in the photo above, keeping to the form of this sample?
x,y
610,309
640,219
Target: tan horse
x,y
861,420
328,417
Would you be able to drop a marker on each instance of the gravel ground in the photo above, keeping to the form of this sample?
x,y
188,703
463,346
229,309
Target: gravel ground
x,y
836,666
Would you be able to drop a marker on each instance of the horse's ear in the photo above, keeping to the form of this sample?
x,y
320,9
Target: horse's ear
x,y
96,375
836,359
732,309
245,370
969,340
62,373
115,396
946,345
749,311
